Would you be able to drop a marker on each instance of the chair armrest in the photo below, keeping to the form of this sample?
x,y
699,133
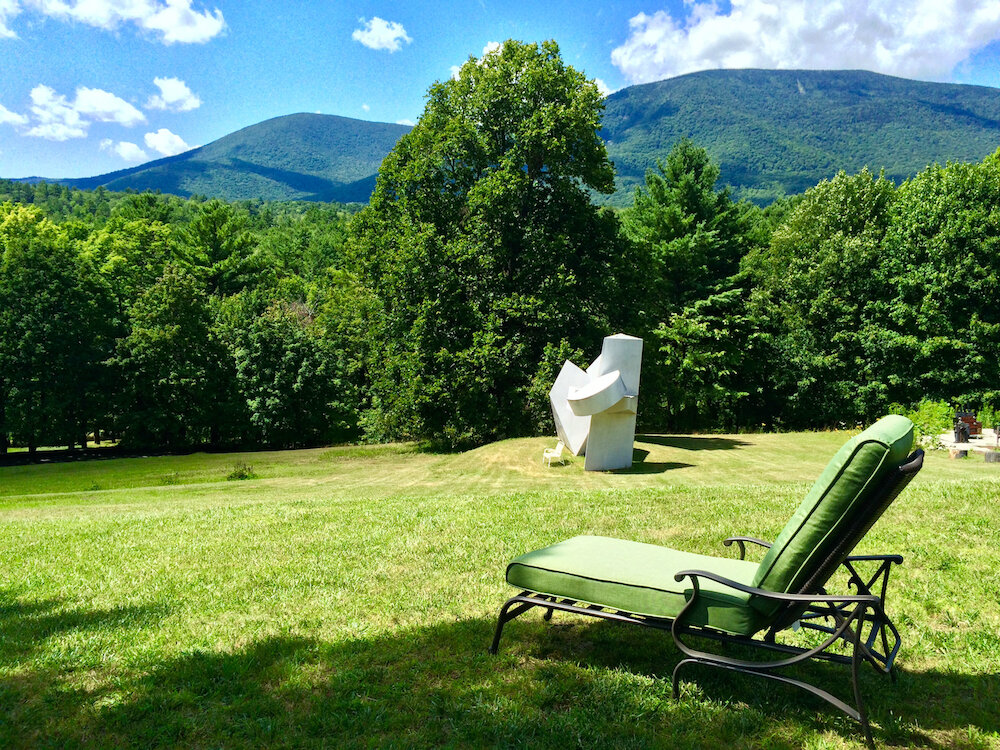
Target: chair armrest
x,y
897,559
740,541
775,596
879,580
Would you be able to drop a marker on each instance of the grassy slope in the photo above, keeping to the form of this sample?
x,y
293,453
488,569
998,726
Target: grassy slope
x,y
346,598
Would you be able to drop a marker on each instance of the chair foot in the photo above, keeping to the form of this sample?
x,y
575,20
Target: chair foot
x,y
548,614
495,646
513,607
676,683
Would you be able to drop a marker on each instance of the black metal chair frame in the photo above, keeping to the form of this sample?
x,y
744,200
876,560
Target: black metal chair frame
x,y
856,620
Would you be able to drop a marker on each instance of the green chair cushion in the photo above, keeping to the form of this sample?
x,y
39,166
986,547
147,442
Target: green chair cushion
x,y
827,511
639,578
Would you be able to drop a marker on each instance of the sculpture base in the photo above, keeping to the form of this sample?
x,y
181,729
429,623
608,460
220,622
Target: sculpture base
x,y
609,446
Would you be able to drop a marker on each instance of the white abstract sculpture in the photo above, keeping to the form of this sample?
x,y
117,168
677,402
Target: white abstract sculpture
x,y
595,410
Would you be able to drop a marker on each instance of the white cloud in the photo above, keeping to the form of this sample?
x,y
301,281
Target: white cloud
x,y
55,118
603,87
179,23
125,149
381,34
491,47
455,70
174,96
104,106
365,107
165,142
405,122
11,118
174,20
911,38
8,9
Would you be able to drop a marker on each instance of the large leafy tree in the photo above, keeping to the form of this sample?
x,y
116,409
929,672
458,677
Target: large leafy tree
x,y
692,235
222,248
54,335
172,367
484,249
292,370
818,287
131,254
943,267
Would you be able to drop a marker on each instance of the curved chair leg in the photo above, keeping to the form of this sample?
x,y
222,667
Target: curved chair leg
x,y
676,676
548,614
507,613
770,671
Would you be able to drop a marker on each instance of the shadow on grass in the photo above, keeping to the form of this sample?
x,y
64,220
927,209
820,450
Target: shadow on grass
x,y
914,712
25,626
692,442
571,682
641,466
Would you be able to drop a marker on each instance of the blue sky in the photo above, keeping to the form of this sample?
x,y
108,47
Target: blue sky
x,y
90,86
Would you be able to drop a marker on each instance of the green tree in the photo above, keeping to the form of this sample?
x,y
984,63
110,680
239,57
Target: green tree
x,y
483,248
305,244
292,373
690,238
710,360
818,286
53,333
942,336
219,243
131,254
172,367
151,207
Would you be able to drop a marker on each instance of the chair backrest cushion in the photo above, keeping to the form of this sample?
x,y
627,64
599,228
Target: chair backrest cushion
x,y
829,509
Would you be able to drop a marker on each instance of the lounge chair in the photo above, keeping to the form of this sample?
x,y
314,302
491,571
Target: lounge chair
x,y
743,602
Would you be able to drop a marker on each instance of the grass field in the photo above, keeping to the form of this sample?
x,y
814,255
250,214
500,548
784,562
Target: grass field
x,y
345,597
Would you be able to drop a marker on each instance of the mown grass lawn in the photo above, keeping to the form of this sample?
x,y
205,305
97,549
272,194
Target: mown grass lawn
x,y
346,598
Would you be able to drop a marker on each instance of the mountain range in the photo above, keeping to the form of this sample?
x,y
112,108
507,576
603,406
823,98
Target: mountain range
x,y
296,157
776,132
773,132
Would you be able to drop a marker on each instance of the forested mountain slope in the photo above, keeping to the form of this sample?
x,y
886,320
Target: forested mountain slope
x,y
777,132
296,157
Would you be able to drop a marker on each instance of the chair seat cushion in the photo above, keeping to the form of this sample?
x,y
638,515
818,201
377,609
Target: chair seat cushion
x,y
639,578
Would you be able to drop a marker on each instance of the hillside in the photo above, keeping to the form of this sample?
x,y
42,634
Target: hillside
x,y
296,157
777,132
773,132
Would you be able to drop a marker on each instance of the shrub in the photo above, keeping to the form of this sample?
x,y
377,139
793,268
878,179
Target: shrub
x,y
241,470
931,418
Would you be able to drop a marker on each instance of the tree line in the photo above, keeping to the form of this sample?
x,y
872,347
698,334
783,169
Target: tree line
x,y
172,323
443,309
